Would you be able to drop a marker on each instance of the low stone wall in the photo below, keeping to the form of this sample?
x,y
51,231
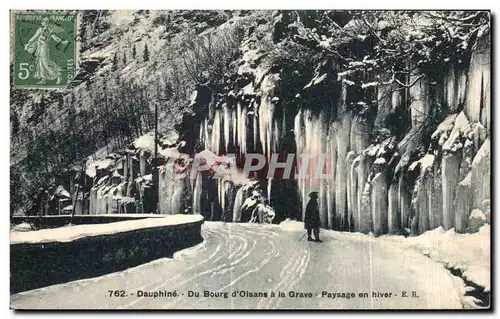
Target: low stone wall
x,y
39,264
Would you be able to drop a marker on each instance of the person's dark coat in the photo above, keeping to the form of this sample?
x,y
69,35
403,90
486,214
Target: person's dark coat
x,y
311,219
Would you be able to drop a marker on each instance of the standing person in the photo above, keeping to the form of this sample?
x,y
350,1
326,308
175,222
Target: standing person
x,y
311,220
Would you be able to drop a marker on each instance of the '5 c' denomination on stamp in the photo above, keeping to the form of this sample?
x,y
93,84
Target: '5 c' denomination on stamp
x,y
44,49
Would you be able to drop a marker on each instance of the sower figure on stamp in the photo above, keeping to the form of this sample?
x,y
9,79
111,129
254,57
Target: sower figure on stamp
x,y
311,220
46,69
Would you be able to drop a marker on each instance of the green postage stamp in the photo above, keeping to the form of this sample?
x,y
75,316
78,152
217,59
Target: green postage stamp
x,y
44,49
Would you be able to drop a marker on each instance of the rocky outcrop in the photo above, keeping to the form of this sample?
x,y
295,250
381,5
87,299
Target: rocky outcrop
x,y
411,155
429,179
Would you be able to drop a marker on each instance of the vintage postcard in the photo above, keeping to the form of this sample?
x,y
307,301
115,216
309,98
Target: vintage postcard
x,y
246,159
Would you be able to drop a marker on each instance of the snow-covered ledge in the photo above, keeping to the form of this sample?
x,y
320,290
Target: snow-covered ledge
x,y
53,221
50,256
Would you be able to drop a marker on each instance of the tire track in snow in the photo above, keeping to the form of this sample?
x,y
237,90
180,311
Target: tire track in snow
x,y
249,234
215,269
209,236
269,255
289,275
295,279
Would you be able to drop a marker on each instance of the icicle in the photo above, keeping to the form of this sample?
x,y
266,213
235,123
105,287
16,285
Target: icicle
x,y
255,126
332,155
343,142
234,126
404,202
238,123
263,124
216,130
237,204
276,138
269,186
364,214
201,135
220,195
449,167
323,200
269,134
379,203
207,137
350,190
392,210
242,128
197,194
226,124
297,130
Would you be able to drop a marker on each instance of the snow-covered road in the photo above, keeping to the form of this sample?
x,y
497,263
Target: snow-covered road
x,y
264,259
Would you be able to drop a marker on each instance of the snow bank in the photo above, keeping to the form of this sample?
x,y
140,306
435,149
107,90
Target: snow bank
x,y
70,233
291,225
468,252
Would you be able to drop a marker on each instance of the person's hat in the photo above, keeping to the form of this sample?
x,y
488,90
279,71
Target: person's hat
x,y
313,195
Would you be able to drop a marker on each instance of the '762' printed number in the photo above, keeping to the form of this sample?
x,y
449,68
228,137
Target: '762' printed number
x,y
117,293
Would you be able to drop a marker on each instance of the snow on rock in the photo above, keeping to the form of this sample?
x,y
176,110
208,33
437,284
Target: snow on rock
x,y
90,170
316,80
477,219
171,152
70,233
425,163
443,130
379,161
169,139
61,192
245,190
146,142
67,209
477,135
460,129
122,17
22,227
370,84
93,166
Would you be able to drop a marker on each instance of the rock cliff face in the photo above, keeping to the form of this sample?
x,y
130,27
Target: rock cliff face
x,y
390,171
